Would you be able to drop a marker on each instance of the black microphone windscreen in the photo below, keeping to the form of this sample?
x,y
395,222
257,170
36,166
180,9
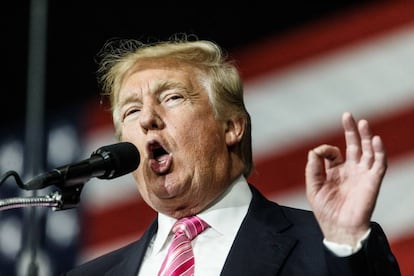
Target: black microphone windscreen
x,y
124,158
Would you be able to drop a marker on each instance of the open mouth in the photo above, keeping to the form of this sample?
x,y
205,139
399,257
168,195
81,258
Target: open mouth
x,y
160,159
157,151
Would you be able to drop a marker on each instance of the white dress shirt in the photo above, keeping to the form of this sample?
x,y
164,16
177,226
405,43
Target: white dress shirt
x,y
212,246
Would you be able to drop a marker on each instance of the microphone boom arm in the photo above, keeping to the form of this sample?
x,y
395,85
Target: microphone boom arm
x,y
66,198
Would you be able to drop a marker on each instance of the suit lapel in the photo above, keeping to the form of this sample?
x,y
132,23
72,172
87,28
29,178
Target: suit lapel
x,y
260,247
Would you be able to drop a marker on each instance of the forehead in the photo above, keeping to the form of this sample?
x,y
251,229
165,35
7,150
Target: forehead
x,y
154,71
156,75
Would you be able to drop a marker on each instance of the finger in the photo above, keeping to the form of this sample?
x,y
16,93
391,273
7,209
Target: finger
x,y
352,138
380,157
331,155
367,158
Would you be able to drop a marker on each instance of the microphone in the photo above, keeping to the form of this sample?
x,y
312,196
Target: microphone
x,y
107,162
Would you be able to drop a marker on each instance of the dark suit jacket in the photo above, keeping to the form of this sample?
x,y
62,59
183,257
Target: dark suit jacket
x,y
272,240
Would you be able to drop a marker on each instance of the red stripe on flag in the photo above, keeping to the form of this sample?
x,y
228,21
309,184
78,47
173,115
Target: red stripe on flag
x,y
320,37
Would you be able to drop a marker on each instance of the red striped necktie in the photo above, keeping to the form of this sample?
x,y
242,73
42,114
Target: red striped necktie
x,y
180,258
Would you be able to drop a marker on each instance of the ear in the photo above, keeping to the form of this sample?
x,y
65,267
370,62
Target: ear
x,y
234,130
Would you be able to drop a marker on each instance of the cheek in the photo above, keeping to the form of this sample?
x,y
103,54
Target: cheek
x,y
192,135
125,129
205,141
130,132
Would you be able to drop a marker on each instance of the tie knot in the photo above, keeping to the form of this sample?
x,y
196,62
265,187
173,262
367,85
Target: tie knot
x,y
190,226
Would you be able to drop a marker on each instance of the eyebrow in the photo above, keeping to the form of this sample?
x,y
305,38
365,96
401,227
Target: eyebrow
x,y
167,84
130,98
156,89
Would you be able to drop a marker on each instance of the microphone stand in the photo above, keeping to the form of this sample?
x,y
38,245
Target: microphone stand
x,y
65,198
35,129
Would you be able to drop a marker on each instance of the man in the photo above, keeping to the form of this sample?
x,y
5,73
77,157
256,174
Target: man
x,y
181,103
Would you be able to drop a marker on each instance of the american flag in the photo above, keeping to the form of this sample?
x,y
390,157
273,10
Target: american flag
x,y
297,86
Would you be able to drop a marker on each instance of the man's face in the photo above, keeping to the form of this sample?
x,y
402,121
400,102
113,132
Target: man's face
x,y
185,163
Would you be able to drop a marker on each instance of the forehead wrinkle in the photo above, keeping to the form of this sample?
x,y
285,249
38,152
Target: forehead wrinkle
x,y
131,97
154,88
168,84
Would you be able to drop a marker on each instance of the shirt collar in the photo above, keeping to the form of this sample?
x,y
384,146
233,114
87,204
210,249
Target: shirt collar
x,y
224,215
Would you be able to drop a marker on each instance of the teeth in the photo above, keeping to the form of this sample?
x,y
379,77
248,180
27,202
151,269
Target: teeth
x,y
162,158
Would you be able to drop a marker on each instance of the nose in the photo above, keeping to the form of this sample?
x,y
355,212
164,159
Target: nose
x,y
150,118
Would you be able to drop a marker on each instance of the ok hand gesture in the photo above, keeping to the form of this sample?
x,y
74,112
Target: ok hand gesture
x,y
343,192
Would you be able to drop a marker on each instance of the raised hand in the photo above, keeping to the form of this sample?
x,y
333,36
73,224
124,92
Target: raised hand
x,y
343,193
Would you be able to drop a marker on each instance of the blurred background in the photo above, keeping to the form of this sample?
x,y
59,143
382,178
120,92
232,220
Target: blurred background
x,y
304,63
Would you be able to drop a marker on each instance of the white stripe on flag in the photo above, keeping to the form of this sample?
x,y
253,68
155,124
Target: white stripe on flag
x,y
370,79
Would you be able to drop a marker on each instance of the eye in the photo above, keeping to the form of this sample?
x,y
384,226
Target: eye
x,y
131,114
172,99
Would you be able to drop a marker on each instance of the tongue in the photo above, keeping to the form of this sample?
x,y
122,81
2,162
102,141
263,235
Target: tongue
x,y
162,164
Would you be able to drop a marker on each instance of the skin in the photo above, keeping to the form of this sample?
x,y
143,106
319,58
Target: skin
x,y
343,192
162,102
